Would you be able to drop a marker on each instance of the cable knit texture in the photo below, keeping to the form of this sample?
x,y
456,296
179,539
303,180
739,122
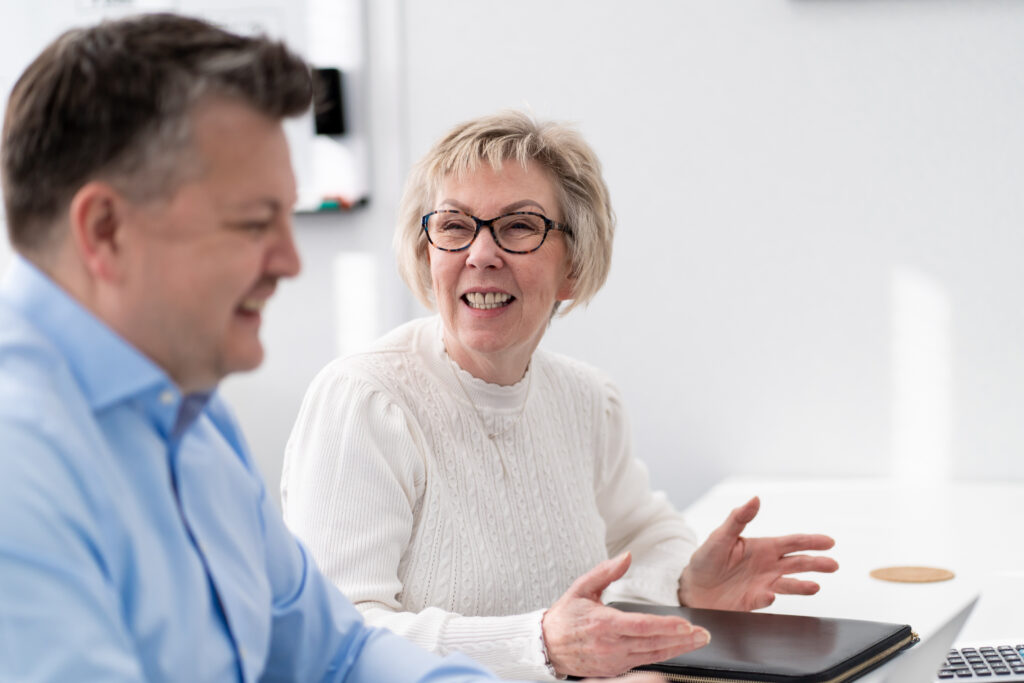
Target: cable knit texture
x,y
456,541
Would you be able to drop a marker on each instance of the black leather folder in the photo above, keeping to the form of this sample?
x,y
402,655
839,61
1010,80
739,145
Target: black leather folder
x,y
781,648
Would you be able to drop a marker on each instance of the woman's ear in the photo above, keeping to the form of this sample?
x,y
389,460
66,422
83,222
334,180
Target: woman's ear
x,y
567,290
97,218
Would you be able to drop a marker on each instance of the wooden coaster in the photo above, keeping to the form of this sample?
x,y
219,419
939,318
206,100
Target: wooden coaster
x,y
912,574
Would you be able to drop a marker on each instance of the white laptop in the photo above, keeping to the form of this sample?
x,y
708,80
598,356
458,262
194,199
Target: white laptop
x,y
936,659
920,663
990,647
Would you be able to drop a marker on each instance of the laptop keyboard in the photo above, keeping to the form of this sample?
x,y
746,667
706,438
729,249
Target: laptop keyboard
x,y
1005,662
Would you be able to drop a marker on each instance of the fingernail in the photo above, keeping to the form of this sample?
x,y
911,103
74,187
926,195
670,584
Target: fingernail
x,y
701,637
684,628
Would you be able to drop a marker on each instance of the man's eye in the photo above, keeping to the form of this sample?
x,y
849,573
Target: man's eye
x,y
254,225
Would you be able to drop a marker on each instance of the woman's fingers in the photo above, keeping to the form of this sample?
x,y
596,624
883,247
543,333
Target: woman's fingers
x,y
637,624
760,600
641,658
593,583
587,638
788,586
654,647
739,518
795,543
796,564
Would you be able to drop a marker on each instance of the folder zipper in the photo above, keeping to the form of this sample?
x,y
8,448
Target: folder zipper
x,y
845,676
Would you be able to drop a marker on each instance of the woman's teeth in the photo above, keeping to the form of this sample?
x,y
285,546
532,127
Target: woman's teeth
x,y
488,300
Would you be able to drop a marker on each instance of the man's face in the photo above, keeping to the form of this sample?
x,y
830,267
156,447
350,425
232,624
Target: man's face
x,y
199,265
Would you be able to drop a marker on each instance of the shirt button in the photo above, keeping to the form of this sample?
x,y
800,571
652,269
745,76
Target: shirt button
x,y
167,397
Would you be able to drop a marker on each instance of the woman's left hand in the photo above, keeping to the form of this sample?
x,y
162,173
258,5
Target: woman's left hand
x,y
736,573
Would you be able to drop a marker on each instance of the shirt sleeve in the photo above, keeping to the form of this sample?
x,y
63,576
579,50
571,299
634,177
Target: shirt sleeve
x,y
638,519
353,477
317,635
60,616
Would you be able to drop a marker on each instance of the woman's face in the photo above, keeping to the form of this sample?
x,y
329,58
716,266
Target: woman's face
x,y
493,338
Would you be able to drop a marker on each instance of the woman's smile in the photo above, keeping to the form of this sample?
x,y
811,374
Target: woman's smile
x,y
487,300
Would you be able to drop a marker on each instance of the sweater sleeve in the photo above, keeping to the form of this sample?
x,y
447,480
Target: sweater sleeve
x,y
638,519
353,474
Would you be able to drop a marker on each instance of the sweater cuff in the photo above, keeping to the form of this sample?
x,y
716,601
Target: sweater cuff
x,y
651,585
512,646
653,577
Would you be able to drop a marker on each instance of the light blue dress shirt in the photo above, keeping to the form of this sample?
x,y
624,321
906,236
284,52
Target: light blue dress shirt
x,y
137,542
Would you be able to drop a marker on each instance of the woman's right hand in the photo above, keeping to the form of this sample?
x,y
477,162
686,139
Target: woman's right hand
x,y
585,637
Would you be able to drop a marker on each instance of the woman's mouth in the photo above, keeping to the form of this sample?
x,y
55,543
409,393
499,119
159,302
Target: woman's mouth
x,y
483,301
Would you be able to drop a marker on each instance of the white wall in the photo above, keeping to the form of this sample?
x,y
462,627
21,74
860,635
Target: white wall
x,y
819,206
301,332
784,172
302,329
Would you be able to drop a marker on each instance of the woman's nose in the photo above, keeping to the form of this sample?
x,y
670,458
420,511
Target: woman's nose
x,y
484,251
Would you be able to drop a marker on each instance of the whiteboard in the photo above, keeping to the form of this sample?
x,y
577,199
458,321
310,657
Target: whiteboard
x,y
328,33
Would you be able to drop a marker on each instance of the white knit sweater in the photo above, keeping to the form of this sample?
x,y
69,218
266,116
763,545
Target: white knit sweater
x,y
452,540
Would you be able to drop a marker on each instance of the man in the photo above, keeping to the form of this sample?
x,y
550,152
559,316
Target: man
x,y
148,192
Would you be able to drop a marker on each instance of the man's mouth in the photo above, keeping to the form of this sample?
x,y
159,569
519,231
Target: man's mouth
x,y
483,301
257,297
252,305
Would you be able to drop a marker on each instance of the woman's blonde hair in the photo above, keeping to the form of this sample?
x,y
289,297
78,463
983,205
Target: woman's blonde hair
x,y
517,137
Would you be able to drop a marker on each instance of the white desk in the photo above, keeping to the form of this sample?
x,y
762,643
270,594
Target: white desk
x,y
969,528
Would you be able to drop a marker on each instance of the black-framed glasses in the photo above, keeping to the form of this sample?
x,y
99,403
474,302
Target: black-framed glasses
x,y
519,232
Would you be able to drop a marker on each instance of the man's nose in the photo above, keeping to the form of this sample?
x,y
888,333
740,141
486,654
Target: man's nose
x,y
285,260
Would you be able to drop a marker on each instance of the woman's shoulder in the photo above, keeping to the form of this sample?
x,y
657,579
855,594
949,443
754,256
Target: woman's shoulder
x,y
386,362
578,372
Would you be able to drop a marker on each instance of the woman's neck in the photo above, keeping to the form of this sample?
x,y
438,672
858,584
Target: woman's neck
x,y
505,368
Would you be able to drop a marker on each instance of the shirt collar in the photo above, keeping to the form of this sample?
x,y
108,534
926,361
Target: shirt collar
x,y
107,367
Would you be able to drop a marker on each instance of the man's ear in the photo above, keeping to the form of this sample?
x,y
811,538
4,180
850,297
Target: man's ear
x,y
97,218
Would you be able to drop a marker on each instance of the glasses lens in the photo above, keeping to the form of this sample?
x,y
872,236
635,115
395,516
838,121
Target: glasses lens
x,y
520,231
450,229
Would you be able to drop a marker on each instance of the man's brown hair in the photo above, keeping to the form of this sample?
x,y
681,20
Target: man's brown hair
x,y
113,102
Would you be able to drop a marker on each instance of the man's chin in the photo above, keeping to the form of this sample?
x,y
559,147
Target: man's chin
x,y
243,361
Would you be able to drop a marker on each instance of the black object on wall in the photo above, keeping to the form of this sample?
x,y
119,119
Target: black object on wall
x,y
328,108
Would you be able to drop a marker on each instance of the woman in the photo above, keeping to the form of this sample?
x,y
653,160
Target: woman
x,y
454,479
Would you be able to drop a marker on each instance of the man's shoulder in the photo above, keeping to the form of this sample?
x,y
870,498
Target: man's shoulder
x,y
42,413
36,384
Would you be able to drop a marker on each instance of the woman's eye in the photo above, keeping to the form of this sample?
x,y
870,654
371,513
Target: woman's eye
x,y
454,227
522,228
